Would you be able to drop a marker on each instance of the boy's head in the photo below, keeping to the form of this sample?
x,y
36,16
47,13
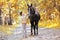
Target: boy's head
x,y
20,13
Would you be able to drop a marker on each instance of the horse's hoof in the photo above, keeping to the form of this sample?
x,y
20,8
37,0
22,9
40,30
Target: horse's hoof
x,y
31,35
35,34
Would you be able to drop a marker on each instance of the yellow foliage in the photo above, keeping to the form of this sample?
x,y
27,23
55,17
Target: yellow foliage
x,y
45,7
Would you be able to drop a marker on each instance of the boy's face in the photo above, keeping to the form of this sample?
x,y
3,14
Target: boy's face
x,y
7,15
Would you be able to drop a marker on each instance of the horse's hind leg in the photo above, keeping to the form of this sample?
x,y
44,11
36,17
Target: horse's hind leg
x,y
36,27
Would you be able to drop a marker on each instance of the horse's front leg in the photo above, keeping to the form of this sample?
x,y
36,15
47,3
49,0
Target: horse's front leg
x,y
32,24
34,30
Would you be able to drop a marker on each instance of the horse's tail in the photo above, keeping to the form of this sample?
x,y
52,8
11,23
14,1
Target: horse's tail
x,y
39,16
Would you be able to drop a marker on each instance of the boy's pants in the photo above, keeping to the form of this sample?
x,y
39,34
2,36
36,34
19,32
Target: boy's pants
x,y
24,30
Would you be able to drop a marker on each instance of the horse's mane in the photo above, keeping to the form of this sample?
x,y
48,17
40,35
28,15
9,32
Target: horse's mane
x,y
33,10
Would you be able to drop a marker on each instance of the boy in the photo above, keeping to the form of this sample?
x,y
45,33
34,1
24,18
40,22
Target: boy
x,y
23,20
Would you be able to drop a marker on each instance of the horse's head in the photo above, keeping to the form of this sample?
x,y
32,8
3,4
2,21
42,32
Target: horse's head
x,y
31,9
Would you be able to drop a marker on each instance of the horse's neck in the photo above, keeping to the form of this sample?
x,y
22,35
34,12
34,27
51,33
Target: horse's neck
x,y
36,12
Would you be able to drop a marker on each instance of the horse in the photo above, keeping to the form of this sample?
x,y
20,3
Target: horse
x,y
34,17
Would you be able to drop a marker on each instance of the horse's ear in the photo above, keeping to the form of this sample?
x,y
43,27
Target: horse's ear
x,y
31,4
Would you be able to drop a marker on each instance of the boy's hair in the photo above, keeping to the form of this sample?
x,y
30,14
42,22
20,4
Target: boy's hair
x,y
20,13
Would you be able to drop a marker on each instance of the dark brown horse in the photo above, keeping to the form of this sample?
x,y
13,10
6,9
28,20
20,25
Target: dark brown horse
x,y
34,17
